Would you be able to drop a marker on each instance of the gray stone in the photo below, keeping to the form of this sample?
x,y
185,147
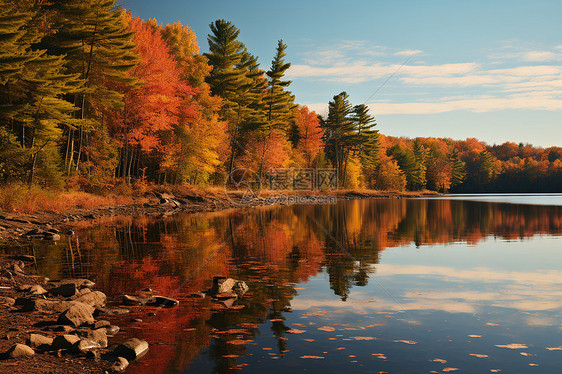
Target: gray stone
x,y
77,315
111,330
131,349
94,298
222,285
78,282
97,336
85,345
43,305
20,350
100,324
119,365
64,342
36,340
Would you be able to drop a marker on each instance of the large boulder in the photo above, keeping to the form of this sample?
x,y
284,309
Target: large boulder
x,y
20,350
131,349
77,315
97,336
222,285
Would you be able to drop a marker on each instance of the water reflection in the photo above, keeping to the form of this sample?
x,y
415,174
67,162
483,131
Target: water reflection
x,y
324,265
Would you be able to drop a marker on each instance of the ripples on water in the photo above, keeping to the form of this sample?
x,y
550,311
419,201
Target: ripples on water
x,y
365,286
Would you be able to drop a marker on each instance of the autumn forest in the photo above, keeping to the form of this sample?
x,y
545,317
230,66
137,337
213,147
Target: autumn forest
x,y
92,98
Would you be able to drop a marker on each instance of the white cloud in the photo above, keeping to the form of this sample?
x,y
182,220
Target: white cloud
x,y
540,56
408,52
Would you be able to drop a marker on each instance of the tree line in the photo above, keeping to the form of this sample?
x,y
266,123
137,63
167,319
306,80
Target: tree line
x,y
91,97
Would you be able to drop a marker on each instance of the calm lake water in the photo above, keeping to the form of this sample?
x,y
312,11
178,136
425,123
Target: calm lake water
x,y
363,286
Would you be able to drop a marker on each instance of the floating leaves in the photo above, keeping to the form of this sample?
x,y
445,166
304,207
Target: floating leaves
x,y
327,328
379,355
238,342
295,331
314,357
450,369
478,355
475,336
440,360
554,348
362,338
513,346
406,341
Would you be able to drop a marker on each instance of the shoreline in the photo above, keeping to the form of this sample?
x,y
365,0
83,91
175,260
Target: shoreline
x,y
15,226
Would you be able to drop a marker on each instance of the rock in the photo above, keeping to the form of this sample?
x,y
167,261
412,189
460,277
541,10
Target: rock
x,y
110,311
228,302
97,336
51,236
64,342
136,300
147,289
222,285
131,349
7,301
65,290
16,268
20,350
100,324
63,328
197,295
137,320
36,289
42,305
70,232
77,315
84,346
119,365
36,340
78,282
240,288
164,302
94,298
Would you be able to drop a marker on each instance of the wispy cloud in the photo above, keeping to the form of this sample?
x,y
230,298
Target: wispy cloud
x,y
520,85
408,52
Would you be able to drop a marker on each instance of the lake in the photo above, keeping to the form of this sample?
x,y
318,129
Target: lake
x,y
361,286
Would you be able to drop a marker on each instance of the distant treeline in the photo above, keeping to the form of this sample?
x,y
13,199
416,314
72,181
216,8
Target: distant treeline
x,y
91,97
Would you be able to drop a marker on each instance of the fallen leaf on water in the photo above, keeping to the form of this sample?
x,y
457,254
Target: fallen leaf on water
x,y
277,320
478,355
379,355
352,356
533,364
300,288
492,324
450,369
316,357
327,328
525,354
267,349
512,346
406,341
297,324
375,325
308,340
361,312
230,356
362,338
249,325
554,348
475,336
340,348
495,370
237,307
295,331
439,360
238,342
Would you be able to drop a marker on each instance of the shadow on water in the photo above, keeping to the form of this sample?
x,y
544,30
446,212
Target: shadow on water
x,y
273,249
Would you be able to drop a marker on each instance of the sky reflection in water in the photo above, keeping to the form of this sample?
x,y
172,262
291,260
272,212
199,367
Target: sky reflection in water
x,y
398,286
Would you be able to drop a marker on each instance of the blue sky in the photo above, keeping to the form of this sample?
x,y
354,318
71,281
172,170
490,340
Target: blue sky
x,y
485,69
